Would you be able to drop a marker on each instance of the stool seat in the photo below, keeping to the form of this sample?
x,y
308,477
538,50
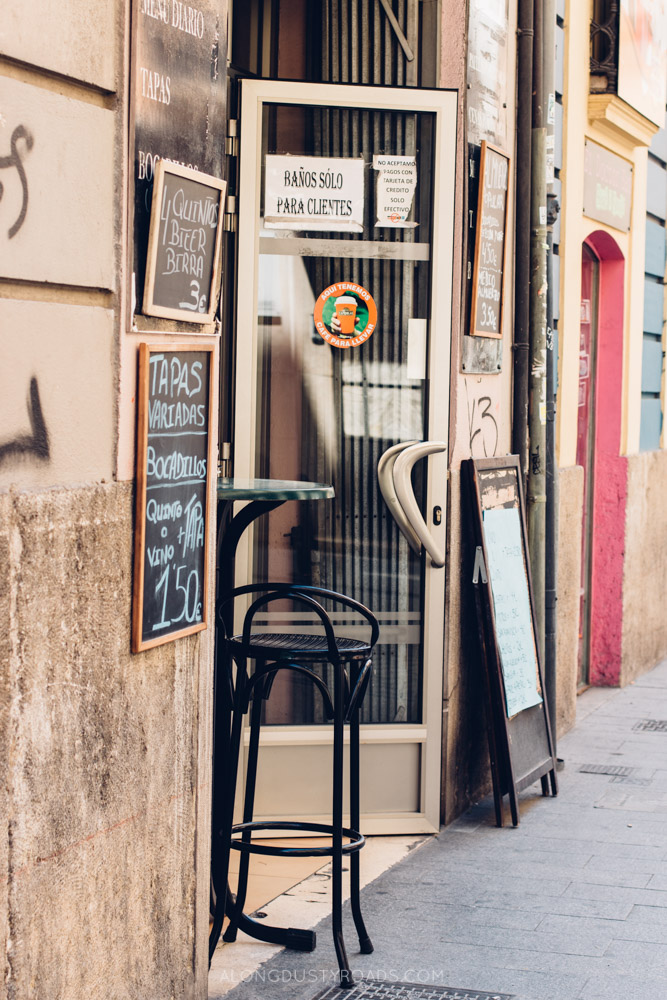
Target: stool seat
x,y
281,645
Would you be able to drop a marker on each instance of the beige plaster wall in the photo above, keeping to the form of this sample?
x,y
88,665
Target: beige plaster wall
x,y
568,585
100,764
67,191
56,360
645,568
627,134
480,426
63,37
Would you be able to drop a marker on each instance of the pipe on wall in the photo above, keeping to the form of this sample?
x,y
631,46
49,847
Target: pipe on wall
x,y
522,231
537,400
550,555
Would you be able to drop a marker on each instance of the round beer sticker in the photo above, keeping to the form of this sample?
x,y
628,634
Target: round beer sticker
x,y
345,314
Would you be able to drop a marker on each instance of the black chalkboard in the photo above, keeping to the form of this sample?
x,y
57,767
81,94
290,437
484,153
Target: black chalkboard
x,y
183,268
178,101
519,733
172,506
490,239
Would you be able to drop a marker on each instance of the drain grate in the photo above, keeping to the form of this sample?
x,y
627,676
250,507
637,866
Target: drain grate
x,y
373,989
622,779
651,726
614,769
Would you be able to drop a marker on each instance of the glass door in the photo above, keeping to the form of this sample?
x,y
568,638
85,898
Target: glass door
x,y
343,342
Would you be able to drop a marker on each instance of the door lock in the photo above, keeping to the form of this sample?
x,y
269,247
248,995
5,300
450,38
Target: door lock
x,y
437,515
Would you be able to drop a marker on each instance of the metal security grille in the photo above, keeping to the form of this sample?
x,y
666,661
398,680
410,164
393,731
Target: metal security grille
x,y
373,990
651,726
604,46
352,545
370,41
359,548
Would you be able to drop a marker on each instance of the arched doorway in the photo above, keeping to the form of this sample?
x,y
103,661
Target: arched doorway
x,y
598,451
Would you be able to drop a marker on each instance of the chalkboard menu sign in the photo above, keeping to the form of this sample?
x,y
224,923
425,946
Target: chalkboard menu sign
x,y
490,238
183,269
519,733
172,511
178,98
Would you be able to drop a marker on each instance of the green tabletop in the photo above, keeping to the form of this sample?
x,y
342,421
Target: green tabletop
x,y
234,488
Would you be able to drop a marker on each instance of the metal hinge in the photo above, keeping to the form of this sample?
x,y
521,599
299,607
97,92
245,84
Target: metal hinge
x,y
232,138
225,462
230,217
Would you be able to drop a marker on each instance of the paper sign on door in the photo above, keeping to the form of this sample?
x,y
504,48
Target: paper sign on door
x,y
396,183
314,193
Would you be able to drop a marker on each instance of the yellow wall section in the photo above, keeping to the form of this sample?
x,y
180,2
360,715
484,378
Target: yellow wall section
x,y
629,142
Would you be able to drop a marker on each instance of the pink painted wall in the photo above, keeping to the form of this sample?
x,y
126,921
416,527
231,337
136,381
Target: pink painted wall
x,y
610,470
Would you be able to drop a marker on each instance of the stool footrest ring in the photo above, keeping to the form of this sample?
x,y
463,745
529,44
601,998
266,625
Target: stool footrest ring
x,y
356,839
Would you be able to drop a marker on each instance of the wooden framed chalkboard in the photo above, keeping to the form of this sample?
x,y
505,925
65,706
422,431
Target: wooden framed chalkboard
x,y
184,244
520,742
173,515
488,276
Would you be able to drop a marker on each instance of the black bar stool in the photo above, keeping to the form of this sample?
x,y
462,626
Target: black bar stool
x,y
350,659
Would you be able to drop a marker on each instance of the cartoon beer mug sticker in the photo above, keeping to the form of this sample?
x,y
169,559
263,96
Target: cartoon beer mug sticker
x,y
345,314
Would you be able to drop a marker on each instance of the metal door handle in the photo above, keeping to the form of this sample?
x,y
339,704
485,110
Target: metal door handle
x,y
406,497
394,469
388,491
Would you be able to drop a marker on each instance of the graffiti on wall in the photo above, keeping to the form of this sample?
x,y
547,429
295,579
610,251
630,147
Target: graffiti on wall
x,y
15,160
36,443
482,423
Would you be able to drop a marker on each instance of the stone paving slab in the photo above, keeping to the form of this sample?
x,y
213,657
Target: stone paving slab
x,y
622,987
571,905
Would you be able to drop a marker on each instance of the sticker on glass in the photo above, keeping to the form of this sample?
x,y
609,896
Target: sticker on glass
x,y
345,314
396,184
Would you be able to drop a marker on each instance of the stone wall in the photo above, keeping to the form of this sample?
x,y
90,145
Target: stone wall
x,y
104,756
570,510
100,764
645,566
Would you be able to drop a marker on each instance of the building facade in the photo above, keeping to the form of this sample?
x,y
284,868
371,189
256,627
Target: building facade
x,y
107,752
611,269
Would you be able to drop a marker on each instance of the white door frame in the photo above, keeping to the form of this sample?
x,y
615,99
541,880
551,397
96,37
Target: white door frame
x,y
443,105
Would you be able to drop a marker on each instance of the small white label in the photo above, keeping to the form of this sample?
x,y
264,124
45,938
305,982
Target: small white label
x,y
416,348
543,215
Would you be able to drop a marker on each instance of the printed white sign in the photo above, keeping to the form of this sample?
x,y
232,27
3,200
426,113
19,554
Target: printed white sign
x,y
314,193
397,180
